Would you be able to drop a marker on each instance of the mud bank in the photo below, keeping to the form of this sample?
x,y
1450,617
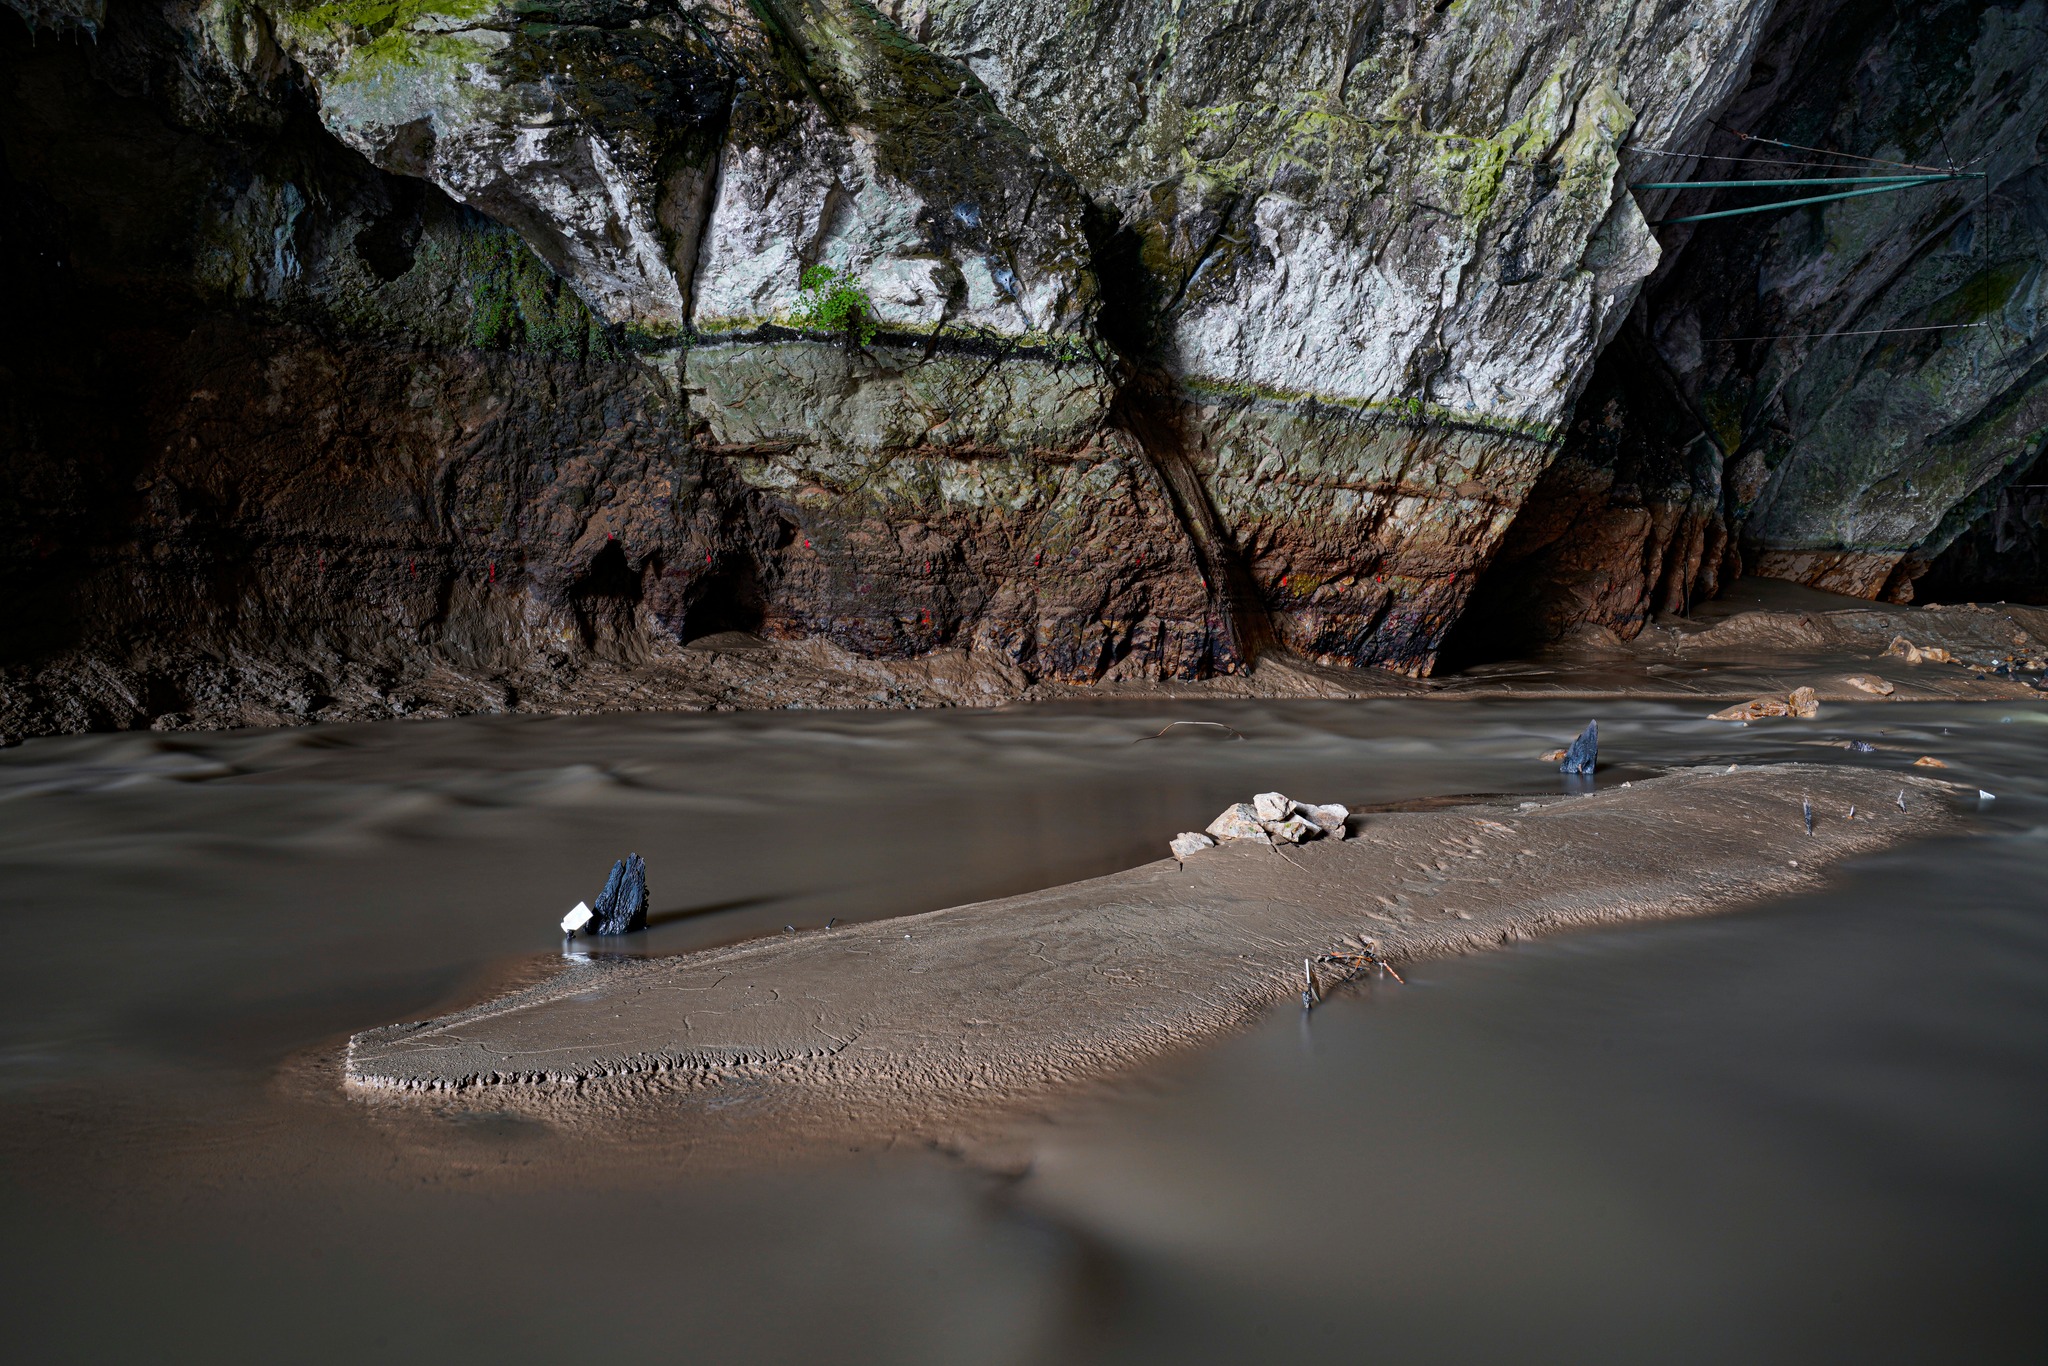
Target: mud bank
x,y
906,1018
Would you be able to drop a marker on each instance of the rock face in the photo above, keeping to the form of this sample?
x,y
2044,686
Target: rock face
x,y
375,342
1895,393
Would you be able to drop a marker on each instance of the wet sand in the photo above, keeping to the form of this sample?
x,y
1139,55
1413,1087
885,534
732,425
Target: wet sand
x,y
890,1023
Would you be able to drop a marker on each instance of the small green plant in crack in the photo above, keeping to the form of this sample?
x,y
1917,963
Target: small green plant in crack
x,y
833,301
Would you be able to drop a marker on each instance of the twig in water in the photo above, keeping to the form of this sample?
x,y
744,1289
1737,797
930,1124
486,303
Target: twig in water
x,y
1234,734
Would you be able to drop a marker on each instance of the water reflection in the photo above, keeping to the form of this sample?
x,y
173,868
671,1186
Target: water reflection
x,y
1800,1133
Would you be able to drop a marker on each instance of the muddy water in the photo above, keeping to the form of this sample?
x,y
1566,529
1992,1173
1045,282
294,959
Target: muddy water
x,y
1814,1131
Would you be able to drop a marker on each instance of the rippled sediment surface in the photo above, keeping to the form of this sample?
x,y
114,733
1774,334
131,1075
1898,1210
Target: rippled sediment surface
x,y
1812,1131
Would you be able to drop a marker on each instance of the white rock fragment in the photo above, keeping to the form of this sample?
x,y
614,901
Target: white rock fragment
x,y
1188,843
1293,830
1273,806
577,918
1330,818
1238,822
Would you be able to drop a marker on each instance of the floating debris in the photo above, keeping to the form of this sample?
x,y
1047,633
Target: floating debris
x,y
1862,747
1928,761
1584,751
1802,702
1363,959
1870,683
1234,734
622,905
1188,843
1555,756
1913,654
579,916
1986,795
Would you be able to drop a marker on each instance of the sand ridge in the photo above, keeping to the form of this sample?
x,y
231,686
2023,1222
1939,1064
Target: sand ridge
x,y
1078,981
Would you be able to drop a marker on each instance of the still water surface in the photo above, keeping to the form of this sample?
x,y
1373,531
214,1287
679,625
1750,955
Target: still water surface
x,y
1815,1131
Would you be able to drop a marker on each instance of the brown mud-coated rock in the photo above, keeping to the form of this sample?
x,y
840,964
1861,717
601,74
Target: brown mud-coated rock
x,y
1034,992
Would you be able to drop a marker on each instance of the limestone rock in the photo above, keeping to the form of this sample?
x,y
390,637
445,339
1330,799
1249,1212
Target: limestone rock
x,y
1870,683
1273,806
1238,822
1330,818
1188,843
1293,830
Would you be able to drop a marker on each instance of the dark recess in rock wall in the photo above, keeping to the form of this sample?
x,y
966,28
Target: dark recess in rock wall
x,y
1626,522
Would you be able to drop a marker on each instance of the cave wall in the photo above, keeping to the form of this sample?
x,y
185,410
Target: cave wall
x,y
368,340
1887,463
1854,461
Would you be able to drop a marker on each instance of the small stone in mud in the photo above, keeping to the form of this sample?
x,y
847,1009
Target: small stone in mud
x,y
1928,761
1188,843
1584,752
622,905
1870,683
1238,822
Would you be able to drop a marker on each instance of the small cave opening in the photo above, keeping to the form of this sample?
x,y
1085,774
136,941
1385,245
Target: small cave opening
x,y
605,595
386,246
729,599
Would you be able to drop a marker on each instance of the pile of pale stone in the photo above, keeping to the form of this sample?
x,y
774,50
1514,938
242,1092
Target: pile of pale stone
x,y
1270,818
